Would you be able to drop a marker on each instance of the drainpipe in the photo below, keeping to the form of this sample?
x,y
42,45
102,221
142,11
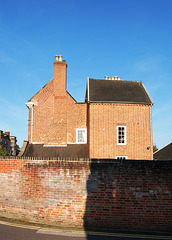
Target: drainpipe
x,y
30,105
151,138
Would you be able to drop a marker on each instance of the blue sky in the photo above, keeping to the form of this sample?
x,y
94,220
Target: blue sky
x,y
126,38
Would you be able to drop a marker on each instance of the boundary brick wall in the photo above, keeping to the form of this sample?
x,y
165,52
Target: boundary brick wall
x,y
127,194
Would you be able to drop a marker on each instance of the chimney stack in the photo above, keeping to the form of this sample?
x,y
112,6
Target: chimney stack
x,y
7,132
60,67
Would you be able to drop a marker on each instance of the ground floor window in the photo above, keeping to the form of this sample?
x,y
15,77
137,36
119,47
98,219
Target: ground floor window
x,y
81,135
121,157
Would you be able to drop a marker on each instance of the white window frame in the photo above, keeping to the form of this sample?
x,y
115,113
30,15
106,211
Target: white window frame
x,y
123,157
125,135
85,137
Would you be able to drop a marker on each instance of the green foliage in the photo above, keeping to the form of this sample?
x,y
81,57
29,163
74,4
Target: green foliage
x,y
155,148
3,153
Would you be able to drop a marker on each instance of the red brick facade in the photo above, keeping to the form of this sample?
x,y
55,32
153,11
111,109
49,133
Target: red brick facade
x,y
55,114
116,194
103,121
54,117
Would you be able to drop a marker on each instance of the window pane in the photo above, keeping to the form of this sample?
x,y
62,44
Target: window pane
x,y
121,137
81,135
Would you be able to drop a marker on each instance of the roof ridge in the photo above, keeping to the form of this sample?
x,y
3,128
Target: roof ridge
x,y
122,80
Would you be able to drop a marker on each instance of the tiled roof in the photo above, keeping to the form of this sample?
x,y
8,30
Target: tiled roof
x,y
71,150
164,153
117,91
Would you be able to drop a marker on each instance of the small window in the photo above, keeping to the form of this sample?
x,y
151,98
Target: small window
x,y
121,157
121,135
81,135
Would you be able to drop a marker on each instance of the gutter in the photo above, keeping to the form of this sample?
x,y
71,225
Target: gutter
x,y
121,102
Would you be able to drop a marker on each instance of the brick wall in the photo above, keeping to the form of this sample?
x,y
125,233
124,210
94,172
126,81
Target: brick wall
x,y
103,121
76,118
55,118
116,194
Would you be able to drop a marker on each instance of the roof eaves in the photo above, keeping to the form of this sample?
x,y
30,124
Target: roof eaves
x,y
71,96
163,147
86,92
120,102
152,103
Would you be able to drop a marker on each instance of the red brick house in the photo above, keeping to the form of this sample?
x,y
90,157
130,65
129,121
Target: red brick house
x,y
115,121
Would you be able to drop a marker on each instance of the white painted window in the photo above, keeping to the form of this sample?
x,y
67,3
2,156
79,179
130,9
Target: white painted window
x,y
121,135
121,157
81,135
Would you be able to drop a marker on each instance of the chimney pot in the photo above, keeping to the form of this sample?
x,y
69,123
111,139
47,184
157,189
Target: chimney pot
x,y
118,78
112,78
109,78
60,58
106,77
57,58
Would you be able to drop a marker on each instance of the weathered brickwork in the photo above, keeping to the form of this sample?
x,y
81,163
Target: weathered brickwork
x,y
55,117
103,121
116,194
42,114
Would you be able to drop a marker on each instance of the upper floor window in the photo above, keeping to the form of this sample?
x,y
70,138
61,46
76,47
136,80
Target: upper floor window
x,y
121,135
81,135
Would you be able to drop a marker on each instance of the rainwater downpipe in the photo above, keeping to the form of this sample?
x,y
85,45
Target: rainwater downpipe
x,y
151,138
30,105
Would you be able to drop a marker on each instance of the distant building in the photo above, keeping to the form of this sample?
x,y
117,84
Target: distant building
x,y
164,153
13,142
115,121
5,141
8,143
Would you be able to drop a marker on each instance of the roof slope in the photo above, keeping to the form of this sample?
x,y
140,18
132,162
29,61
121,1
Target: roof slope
x,y
71,150
164,153
117,91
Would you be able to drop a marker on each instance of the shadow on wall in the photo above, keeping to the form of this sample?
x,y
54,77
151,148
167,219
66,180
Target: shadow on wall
x,y
128,195
100,195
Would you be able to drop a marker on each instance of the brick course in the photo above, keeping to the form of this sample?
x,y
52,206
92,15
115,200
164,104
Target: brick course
x,y
116,194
